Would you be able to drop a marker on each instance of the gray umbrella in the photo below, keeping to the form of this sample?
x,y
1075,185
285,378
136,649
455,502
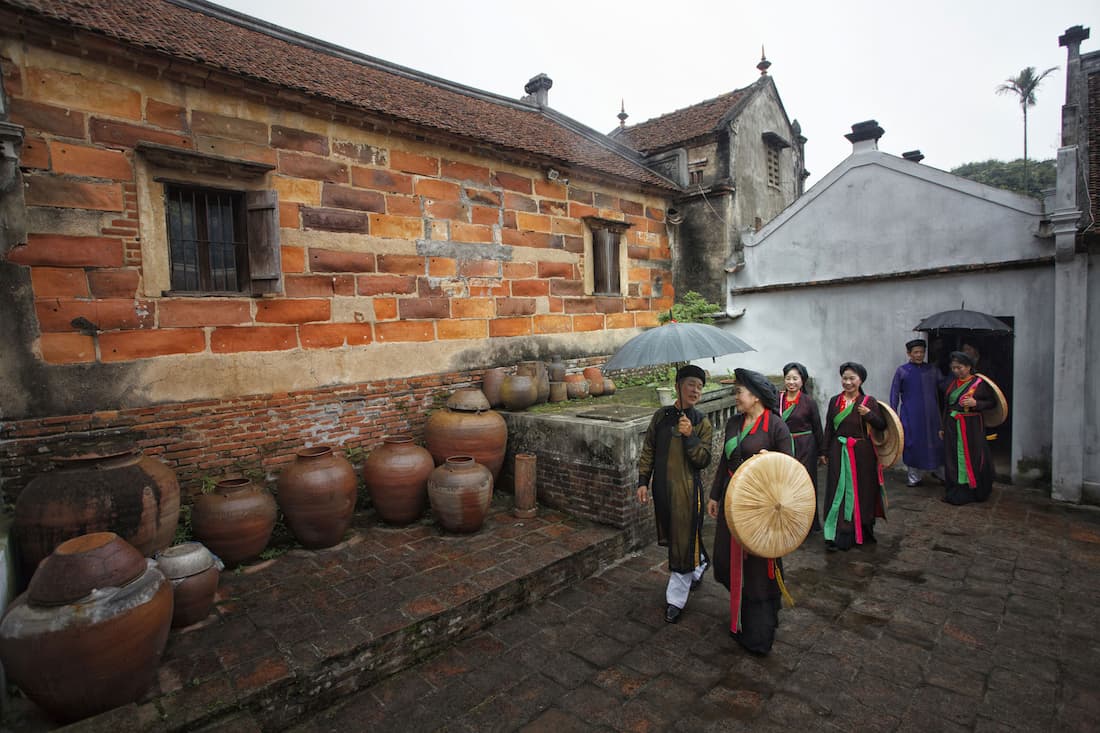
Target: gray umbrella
x,y
963,320
674,342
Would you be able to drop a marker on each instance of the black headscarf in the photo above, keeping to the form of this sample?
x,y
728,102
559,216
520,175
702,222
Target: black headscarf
x,y
690,370
962,357
801,372
858,369
760,386
910,345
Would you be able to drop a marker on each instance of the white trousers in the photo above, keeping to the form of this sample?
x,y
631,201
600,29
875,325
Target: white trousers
x,y
679,585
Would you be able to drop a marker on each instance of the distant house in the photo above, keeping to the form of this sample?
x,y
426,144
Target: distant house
x,y
740,160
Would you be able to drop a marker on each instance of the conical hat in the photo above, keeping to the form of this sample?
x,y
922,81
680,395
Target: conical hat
x,y
890,442
996,415
770,504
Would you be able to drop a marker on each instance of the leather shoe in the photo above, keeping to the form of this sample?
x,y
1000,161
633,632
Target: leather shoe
x,y
672,614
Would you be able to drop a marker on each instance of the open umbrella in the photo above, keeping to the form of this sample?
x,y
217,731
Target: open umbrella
x,y
674,342
963,320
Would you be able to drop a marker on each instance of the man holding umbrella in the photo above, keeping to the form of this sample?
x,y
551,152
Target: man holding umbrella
x,y
676,450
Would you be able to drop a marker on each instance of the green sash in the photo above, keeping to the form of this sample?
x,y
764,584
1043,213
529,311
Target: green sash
x,y
956,393
790,408
842,415
732,443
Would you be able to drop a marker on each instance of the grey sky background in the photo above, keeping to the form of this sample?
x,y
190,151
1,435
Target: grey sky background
x,y
925,70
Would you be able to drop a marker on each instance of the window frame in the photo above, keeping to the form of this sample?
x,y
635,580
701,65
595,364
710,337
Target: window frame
x,y
613,233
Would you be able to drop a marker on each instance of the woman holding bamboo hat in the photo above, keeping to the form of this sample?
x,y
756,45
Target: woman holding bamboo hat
x,y
967,465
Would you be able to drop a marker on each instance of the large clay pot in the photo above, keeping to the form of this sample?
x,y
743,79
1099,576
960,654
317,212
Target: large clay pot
x,y
595,380
194,573
235,521
519,392
105,488
467,427
608,386
78,659
396,474
490,385
576,386
537,371
317,496
460,491
558,392
555,369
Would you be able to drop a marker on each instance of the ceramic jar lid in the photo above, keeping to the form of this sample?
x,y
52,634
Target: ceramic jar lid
x,y
80,565
184,560
468,400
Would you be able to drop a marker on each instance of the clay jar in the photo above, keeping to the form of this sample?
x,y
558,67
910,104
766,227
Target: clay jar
x,y
490,385
519,392
576,386
103,488
537,371
235,521
595,380
396,474
466,426
608,386
460,491
194,574
555,369
317,496
76,659
558,392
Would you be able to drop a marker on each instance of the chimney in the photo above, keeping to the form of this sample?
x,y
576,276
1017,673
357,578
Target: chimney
x,y
538,90
913,155
864,136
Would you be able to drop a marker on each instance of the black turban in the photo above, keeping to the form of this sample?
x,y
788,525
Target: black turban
x,y
963,358
690,370
910,345
759,385
801,372
855,367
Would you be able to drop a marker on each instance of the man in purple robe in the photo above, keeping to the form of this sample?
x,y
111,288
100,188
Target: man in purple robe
x,y
916,389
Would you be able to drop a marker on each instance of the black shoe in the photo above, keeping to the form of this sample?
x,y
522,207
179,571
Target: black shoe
x,y
672,614
696,582
830,546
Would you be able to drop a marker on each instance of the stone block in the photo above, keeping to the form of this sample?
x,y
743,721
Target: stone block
x,y
424,165
551,189
36,116
512,182
402,264
553,324
210,123
57,314
579,211
533,222
334,220
319,286
572,227
398,205
59,250
59,282
130,345
77,91
530,288
516,202
566,288
392,331
619,320
471,232
46,190
385,284
526,239
345,197
396,227
467,172
81,160
467,328
485,215
437,190
385,309
66,348
35,153
293,259
335,335
515,307
289,138
302,165
329,260
594,322
510,327
554,208
381,180
557,269
607,304
479,196
472,308
479,268
125,135
442,267
412,308
165,115
362,152
290,217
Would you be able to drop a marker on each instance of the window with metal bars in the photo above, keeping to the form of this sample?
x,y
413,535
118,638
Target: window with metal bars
x,y
773,166
605,260
207,239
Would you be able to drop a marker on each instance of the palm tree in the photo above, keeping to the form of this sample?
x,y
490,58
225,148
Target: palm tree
x,y
1024,85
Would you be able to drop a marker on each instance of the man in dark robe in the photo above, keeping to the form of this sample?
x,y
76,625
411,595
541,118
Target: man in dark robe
x,y
916,389
675,451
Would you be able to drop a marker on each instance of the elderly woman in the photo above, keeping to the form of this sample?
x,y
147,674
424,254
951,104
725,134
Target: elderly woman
x,y
751,580
853,494
799,411
967,463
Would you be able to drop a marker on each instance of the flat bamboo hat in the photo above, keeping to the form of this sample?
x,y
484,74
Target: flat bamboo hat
x,y
890,442
996,415
770,504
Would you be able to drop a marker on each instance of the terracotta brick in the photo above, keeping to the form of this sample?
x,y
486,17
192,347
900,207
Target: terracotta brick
x,y
519,270
478,196
484,215
59,250
647,319
574,227
632,208
236,149
316,168
35,154
619,320
579,211
471,232
485,288
48,118
551,189
663,303
515,202
508,219
436,189
165,115
56,314
512,182
581,195
606,201
318,286
655,214
124,135
404,331
379,284
335,220
385,309
411,308
479,268
463,329
195,312
556,305
660,229
78,91
253,338
424,165
572,244
396,227
402,264
289,138
297,189
45,190
290,217
128,345
329,260
609,304
344,197
638,252
554,208
442,267
553,324
636,304
114,283
335,335
381,180
530,288
639,274
210,123
566,287
397,205
66,348
588,323
429,287
293,310
448,210
557,269
293,259
515,307
526,239
59,282
510,327
465,172
472,308
80,160
580,305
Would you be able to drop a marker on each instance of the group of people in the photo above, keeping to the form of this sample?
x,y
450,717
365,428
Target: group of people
x,y
677,448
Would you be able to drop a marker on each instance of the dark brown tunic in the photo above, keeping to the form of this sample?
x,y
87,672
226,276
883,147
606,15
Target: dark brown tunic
x,y
966,426
804,422
854,428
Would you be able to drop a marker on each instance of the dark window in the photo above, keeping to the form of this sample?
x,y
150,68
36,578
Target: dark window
x,y
696,177
207,239
773,166
605,261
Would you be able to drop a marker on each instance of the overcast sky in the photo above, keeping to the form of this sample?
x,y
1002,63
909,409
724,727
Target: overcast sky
x,y
925,70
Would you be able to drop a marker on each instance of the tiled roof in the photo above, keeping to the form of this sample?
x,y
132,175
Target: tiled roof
x,y
192,32
683,124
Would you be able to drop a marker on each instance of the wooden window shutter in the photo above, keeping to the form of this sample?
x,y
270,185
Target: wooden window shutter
x,y
264,255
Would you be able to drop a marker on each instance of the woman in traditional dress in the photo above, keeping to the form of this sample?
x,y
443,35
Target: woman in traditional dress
x,y
799,411
751,580
853,494
967,464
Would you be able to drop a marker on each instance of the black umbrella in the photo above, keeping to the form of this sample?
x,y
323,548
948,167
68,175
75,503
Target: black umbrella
x,y
963,320
675,342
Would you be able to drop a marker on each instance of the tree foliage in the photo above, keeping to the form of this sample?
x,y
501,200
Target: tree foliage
x,y
1029,179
